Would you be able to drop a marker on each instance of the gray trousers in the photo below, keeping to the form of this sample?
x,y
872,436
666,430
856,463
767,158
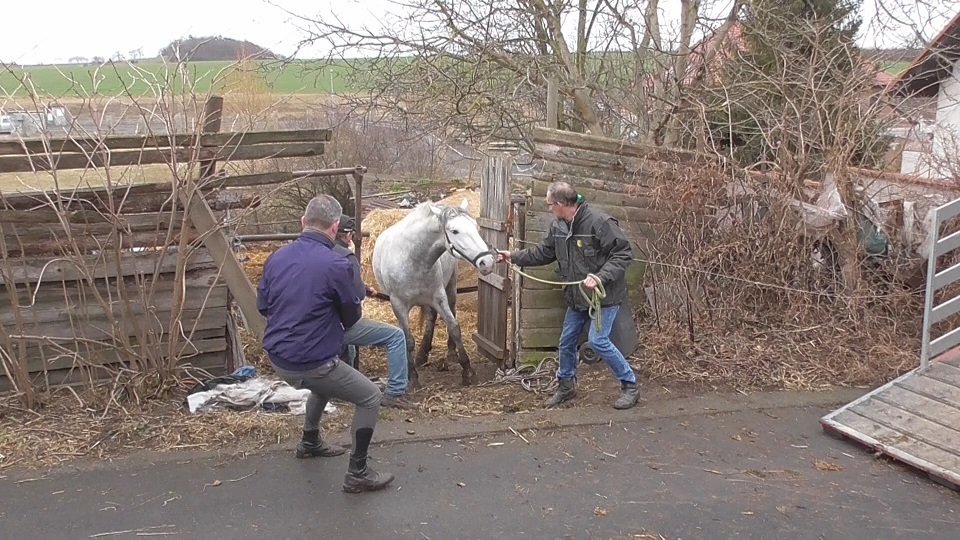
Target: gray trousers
x,y
338,380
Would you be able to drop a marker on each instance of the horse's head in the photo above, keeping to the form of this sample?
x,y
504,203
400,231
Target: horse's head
x,y
462,237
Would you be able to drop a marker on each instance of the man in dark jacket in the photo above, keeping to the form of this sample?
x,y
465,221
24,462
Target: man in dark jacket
x,y
308,294
586,244
372,333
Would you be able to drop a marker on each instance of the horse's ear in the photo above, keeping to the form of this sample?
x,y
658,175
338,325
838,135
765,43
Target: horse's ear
x,y
464,204
437,211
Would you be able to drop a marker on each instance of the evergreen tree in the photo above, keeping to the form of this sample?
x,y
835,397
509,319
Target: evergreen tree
x,y
791,92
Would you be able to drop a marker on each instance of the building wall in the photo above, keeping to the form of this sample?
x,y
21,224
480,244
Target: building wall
x,y
941,160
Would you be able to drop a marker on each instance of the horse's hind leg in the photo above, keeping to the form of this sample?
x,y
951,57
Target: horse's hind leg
x,y
453,330
451,292
426,341
402,312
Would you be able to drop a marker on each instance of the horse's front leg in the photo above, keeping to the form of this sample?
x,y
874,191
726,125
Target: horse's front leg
x,y
401,311
453,330
426,341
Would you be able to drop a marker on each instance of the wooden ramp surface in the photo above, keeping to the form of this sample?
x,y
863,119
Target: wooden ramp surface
x,y
914,419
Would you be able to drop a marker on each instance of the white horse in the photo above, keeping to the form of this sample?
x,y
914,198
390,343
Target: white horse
x,y
415,263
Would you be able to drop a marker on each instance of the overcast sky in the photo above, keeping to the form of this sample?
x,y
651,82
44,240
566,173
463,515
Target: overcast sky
x,y
103,28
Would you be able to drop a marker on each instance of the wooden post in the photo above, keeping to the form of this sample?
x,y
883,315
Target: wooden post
x,y
358,227
358,208
215,241
553,103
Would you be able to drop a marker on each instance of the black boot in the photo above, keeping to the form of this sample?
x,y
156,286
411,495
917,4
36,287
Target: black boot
x,y
313,446
361,477
629,395
566,390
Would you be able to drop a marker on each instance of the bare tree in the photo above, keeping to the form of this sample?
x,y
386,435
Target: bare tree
x,y
480,69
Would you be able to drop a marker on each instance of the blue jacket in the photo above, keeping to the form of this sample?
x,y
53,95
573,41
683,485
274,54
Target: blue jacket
x,y
309,294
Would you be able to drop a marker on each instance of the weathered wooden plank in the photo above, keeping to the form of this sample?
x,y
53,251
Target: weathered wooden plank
x,y
123,142
941,391
598,197
155,221
496,281
542,298
103,328
542,318
213,362
637,183
77,245
76,356
44,269
937,461
571,139
533,357
50,215
636,232
625,215
944,373
920,404
74,306
539,338
50,162
140,199
220,249
908,423
548,273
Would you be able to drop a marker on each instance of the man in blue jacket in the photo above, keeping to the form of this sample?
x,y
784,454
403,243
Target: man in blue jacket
x,y
308,294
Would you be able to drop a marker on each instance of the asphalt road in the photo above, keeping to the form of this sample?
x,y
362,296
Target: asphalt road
x,y
742,474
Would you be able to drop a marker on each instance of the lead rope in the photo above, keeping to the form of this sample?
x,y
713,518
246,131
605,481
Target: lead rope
x,y
593,300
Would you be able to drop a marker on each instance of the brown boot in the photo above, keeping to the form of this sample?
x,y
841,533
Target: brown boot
x,y
629,395
396,402
361,477
566,390
313,446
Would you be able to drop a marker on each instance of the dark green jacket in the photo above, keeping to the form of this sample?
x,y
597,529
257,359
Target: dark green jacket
x,y
594,244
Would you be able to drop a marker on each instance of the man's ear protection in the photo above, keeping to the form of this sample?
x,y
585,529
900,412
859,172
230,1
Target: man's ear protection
x,y
579,198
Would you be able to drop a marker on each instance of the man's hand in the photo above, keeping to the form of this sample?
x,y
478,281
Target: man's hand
x,y
590,283
503,256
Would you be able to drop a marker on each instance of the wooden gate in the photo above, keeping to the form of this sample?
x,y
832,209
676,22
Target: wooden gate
x,y
494,289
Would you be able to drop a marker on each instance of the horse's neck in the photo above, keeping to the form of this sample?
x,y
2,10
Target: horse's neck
x,y
426,239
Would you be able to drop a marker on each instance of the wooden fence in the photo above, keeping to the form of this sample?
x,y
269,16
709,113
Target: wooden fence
x,y
98,280
620,179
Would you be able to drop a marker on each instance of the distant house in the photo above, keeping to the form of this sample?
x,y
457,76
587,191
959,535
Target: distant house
x,y
935,73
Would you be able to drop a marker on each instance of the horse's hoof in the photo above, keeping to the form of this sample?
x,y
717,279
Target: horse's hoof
x,y
443,366
468,377
420,361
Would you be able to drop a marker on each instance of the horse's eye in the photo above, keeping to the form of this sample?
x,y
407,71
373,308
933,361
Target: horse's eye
x,y
455,232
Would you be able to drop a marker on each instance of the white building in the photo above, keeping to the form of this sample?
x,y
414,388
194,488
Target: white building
x,y
936,72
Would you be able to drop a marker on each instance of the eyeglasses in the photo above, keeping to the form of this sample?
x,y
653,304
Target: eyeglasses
x,y
550,205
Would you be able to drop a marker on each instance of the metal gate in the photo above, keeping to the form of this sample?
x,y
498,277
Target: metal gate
x,y
493,290
915,417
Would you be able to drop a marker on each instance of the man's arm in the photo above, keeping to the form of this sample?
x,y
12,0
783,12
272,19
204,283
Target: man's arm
x,y
616,250
539,255
346,294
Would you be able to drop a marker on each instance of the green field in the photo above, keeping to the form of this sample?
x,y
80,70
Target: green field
x,y
146,77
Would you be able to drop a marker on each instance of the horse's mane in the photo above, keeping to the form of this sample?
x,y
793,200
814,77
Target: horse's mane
x,y
448,212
